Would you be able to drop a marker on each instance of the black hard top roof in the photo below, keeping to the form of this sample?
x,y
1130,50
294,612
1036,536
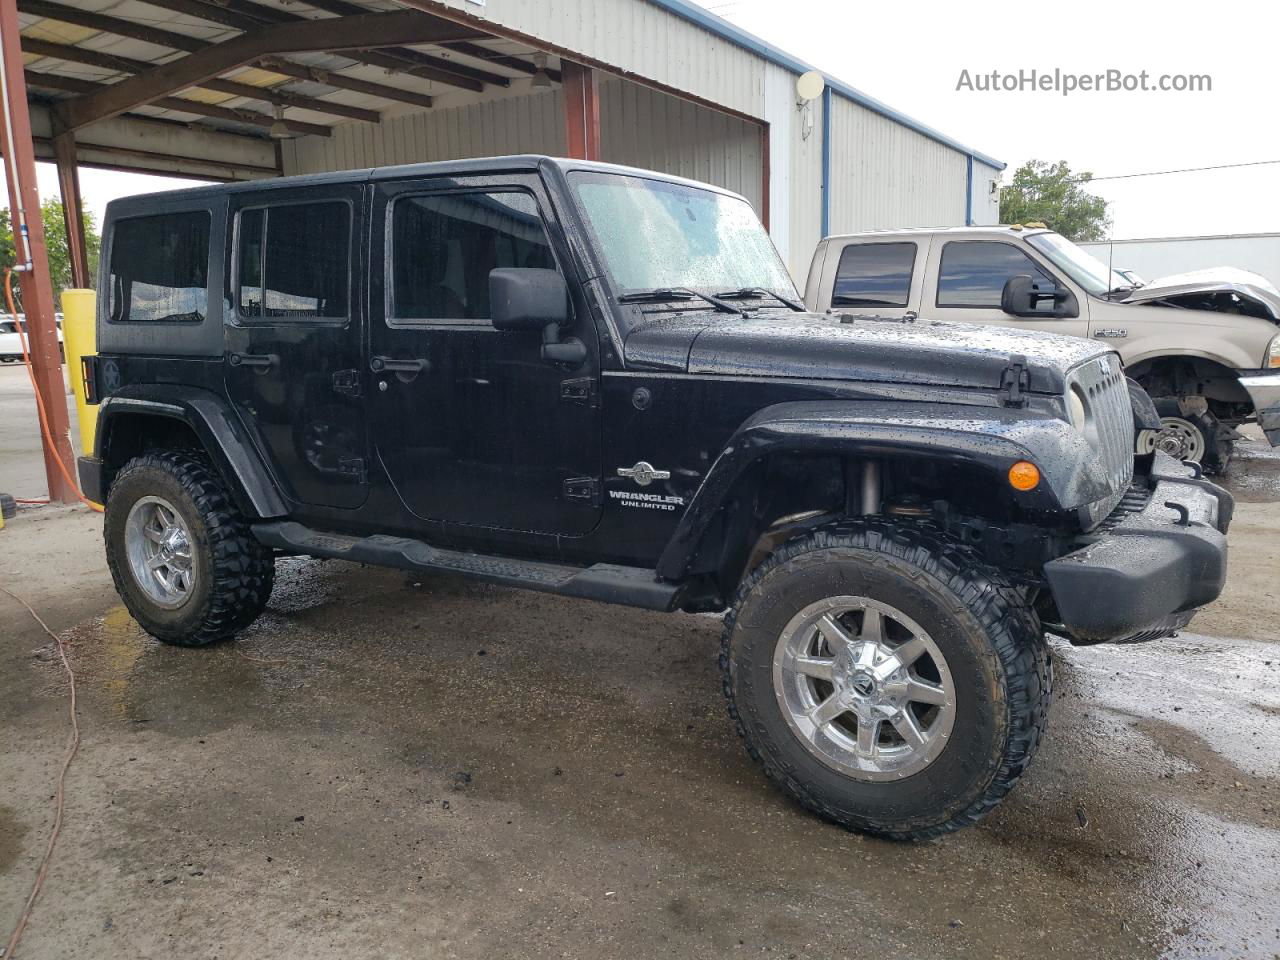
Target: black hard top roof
x,y
175,199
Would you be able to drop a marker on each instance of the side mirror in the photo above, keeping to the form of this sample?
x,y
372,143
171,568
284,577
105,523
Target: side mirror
x,y
529,298
526,298
1022,295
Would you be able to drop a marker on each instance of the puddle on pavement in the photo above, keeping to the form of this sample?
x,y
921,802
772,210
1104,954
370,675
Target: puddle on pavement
x,y
602,730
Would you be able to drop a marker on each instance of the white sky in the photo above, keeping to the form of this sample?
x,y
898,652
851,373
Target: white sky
x,y
910,54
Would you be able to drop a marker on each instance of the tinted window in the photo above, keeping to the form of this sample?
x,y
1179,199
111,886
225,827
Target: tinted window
x,y
295,261
443,247
973,273
159,269
874,274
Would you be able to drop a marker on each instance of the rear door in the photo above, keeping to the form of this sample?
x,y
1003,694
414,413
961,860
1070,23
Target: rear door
x,y
966,278
294,338
882,277
471,424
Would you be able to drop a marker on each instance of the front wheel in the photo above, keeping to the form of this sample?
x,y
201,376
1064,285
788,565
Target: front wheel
x,y
1197,437
886,678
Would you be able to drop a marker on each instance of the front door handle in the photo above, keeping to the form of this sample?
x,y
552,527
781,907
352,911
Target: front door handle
x,y
260,362
406,369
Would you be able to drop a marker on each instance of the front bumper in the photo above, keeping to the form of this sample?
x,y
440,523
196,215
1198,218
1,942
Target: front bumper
x,y
1263,388
1150,565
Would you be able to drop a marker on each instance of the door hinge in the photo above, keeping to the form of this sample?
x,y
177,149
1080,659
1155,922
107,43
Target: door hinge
x,y
347,382
583,490
355,468
583,390
1015,381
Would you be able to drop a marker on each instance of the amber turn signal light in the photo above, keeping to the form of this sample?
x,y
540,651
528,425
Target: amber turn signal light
x,y
1024,475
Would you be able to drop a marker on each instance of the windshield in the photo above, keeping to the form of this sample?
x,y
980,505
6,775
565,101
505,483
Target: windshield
x,y
1084,268
657,235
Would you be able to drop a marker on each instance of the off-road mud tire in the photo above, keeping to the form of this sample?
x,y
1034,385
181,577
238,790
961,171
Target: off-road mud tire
x,y
234,573
992,640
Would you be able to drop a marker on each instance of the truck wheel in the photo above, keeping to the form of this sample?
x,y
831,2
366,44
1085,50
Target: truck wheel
x,y
1197,437
886,678
183,558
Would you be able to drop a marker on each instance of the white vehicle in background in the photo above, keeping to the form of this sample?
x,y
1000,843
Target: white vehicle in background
x,y
11,344
1205,345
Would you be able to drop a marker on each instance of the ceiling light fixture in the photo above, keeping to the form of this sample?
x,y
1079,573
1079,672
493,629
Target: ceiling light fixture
x,y
540,78
279,130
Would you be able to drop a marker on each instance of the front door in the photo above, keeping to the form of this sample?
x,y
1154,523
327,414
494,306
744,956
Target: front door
x,y
471,424
966,278
293,339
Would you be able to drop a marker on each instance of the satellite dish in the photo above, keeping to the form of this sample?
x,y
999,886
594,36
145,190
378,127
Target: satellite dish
x,y
809,86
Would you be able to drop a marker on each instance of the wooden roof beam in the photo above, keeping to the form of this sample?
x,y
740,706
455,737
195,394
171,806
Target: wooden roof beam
x,y
180,41
346,33
272,95
86,89
246,15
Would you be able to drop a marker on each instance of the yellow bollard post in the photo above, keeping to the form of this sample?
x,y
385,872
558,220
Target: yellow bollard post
x,y
79,309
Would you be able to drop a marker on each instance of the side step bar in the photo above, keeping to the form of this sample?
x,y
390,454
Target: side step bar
x,y
605,582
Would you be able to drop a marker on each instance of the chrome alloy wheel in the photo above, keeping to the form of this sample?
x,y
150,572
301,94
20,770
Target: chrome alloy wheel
x,y
864,688
1180,439
158,545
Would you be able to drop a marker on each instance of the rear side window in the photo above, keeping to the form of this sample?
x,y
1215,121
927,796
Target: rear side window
x,y
973,273
160,268
294,262
874,275
444,245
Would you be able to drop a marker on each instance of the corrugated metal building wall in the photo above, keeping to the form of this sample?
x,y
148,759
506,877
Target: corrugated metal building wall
x,y
885,170
886,175
638,126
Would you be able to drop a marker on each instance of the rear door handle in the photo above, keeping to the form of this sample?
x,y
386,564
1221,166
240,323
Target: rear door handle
x,y
261,362
407,369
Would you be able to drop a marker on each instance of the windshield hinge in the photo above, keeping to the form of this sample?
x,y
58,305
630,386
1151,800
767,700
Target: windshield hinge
x,y
1015,381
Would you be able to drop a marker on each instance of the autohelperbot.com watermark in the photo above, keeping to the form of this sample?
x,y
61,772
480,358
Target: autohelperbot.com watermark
x,y
1066,82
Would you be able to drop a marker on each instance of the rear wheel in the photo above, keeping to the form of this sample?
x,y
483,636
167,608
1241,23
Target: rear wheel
x,y
1197,437
183,559
886,678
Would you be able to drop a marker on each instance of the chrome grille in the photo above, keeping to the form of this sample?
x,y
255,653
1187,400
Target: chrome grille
x,y
1110,428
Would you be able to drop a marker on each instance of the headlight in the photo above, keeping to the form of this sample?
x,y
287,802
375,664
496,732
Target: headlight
x,y
1272,359
1076,410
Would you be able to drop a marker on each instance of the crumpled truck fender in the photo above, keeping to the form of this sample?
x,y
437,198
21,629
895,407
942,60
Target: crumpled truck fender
x,y
991,438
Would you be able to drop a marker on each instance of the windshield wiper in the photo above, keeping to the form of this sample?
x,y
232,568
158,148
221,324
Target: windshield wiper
x,y
665,294
756,293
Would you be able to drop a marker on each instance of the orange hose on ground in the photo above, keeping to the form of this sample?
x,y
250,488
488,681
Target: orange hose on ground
x,y
20,326
59,796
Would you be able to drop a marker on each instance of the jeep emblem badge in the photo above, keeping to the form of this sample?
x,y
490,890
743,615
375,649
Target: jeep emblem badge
x,y
644,473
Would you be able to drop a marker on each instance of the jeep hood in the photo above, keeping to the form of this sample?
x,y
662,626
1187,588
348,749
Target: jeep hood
x,y
1216,280
849,347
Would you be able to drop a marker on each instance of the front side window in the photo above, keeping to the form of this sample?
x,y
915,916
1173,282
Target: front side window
x,y
444,245
973,273
294,261
160,268
874,275
655,234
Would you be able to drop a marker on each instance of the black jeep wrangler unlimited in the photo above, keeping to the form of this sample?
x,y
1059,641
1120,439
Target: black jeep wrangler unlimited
x,y
598,382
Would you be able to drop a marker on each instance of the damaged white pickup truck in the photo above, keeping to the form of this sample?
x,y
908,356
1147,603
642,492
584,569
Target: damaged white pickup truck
x,y
1204,345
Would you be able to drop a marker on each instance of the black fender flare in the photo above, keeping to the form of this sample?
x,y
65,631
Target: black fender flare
x,y
215,425
991,438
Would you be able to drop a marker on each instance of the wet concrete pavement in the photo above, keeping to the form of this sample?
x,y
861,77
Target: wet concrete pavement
x,y
390,766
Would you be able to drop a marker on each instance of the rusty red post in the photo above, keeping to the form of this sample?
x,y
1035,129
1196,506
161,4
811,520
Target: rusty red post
x,y
28,236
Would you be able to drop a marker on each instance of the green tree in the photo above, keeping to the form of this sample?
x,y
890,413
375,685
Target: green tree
x,y
55,236
1052,194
